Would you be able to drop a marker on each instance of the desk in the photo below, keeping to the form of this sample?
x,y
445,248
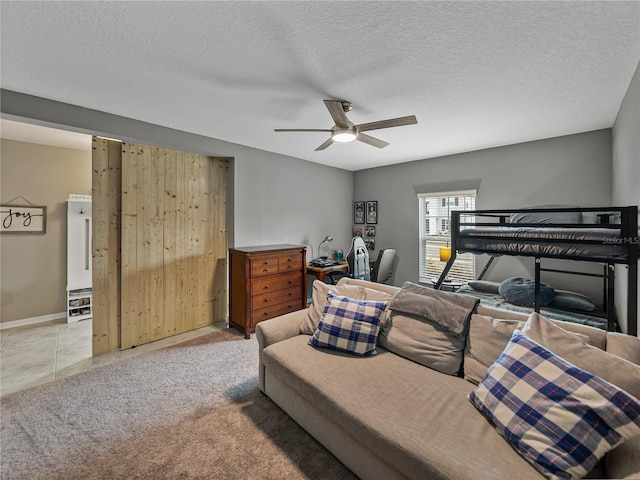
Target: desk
x,y
321,272
449,286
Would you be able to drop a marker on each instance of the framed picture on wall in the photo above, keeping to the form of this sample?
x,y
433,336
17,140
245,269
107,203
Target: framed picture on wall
x,y
370,244
370,231
358,212
357,231
23,219
372,212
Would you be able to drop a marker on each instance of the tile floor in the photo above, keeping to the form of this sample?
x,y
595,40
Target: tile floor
x,y
42,353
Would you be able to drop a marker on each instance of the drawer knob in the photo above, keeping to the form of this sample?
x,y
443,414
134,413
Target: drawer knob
x,y
265,270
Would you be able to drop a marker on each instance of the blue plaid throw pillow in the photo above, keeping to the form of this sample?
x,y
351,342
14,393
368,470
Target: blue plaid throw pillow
x,y
559,417
349,325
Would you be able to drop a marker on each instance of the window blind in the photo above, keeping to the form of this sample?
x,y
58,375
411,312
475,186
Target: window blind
x,y
435,233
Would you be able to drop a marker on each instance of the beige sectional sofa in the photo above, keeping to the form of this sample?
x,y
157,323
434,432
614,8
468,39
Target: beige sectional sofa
x,y
387,417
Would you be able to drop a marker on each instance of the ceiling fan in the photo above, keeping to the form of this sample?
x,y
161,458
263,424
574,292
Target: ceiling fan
x,y
346,131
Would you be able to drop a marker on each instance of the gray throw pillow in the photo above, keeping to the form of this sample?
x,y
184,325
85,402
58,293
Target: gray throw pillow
x,y
572,301
484,286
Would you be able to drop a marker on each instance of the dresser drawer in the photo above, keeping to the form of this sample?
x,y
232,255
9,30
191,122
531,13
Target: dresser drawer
x,y
264,266
290,262
274,311
272,284
273,298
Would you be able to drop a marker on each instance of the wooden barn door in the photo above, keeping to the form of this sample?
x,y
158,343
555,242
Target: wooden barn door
x,y
173,247
106,193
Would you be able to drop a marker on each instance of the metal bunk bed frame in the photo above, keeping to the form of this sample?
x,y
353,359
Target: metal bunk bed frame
x,y
628,243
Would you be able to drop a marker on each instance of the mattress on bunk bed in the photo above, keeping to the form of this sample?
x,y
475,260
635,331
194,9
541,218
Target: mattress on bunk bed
x,y
495,300
544,241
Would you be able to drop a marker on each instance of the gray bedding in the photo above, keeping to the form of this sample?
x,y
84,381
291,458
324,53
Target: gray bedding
x,y
544,241
496,301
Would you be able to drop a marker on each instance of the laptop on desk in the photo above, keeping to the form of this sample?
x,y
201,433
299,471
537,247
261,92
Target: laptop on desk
x,y
316,262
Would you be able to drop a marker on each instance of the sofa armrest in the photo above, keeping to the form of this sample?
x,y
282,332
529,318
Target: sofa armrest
x,y
276,330
279,328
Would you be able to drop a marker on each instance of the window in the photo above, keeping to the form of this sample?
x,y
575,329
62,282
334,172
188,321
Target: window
x,y
435,233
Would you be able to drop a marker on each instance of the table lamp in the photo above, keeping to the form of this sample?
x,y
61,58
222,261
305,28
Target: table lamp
x,y
327,239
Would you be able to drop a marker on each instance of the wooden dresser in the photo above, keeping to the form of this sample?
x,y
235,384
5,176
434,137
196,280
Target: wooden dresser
x,y
265,282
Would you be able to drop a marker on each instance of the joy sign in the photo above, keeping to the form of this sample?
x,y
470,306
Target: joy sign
x,y
22,219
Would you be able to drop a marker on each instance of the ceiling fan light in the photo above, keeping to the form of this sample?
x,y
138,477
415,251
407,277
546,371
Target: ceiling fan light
x,y
344,136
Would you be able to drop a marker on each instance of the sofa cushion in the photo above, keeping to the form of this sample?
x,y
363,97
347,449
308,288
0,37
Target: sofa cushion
x,y
373,291
611,368
349,325
624,346
411,417
623,461
597,337
500,313
372,294
319,298
487,339
422,329
423,342
559,417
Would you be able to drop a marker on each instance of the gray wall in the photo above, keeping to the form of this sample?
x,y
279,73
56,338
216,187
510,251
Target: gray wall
x,y
278,199
34,266
626,173
570,170
273,198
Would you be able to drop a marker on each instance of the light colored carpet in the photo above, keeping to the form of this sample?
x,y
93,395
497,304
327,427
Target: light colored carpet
x,y
190,411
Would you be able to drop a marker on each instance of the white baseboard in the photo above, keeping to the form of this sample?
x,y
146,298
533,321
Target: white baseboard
x,y
32,320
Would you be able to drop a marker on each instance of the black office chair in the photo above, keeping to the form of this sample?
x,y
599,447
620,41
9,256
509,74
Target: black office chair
x,y
358,261
382,269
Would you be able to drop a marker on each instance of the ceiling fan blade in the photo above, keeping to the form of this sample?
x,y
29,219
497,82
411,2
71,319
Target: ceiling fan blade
x,y
337,113
371,140
299,130
325,144
392,122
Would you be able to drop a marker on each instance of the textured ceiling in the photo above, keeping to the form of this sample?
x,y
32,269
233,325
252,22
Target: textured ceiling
x,y
476,74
